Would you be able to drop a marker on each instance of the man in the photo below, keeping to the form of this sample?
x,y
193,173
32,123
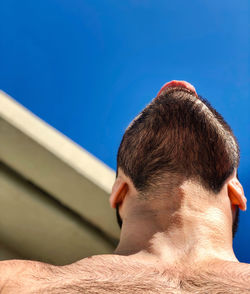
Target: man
x,y
177,197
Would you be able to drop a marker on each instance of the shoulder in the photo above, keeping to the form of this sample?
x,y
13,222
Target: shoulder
x,y
20,276
16,274
97,266
240,271
235,272
9,268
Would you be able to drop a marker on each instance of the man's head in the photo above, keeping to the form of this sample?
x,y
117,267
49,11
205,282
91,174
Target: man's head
x,y
177,137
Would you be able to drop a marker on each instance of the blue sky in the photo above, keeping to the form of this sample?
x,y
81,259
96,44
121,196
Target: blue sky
x,y
88,67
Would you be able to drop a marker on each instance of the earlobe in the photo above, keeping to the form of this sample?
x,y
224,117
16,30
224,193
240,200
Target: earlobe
x,y
236,194
119,191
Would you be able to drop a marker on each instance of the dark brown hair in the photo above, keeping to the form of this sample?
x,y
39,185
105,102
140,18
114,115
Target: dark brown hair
x,y
178,134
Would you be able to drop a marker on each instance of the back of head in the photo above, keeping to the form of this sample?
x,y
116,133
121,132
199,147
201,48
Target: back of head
x,y
178,135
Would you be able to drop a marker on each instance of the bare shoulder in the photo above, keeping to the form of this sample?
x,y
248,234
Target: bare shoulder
x,y
219,277
106,274
100,266
236,271
9,268
16,275
117,274
84,276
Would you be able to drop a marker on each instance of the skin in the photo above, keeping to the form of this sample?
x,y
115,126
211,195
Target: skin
x,y
179,245
175,83
191,213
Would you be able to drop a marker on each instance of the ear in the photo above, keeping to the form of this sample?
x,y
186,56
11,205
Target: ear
x,y
119,191
236,194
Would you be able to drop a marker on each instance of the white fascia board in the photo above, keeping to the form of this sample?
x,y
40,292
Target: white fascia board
x,y
55,142
35,226
56,164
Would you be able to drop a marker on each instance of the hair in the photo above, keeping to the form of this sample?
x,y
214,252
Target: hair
x,y
178,135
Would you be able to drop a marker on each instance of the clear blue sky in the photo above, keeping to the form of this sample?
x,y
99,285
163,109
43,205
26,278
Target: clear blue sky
x,y
88,67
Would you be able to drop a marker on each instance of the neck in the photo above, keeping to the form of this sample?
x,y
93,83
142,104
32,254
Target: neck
x,y
191,232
